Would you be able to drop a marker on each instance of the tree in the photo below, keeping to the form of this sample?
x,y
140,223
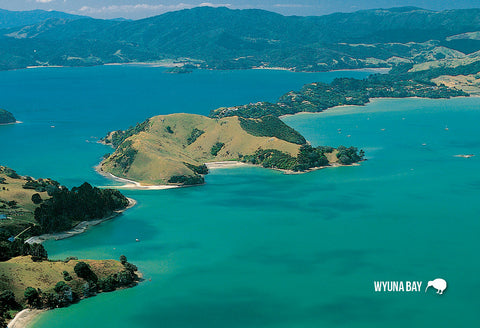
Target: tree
x,y
31,296
123,259
7,299
60,286
130,267
109,284
125,278
37,199
67,276
83,270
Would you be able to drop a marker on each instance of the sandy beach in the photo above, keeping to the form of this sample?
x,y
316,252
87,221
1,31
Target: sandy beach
x,y
24,318
130,184
330,108
79,228
16,122
225,164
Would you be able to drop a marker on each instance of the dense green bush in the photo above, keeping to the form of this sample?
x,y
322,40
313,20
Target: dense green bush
x,y
19,248
316,97
124,156
119,136
187,179
198,169
37,199
79,204
82,270
67,276
349,155
9,172
194,135
271,126
32,297
308,157
6,117
271,158
216,148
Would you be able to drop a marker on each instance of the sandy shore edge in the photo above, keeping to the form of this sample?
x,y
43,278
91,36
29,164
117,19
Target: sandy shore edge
x,y
24,318
370,101
234,164
11,123
225,164
130,184
79,228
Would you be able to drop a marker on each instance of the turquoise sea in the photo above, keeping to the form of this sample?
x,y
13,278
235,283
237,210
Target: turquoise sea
x,y
254,247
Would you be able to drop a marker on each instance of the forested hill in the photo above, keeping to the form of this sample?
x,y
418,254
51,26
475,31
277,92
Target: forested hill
x,y
222,38
10,19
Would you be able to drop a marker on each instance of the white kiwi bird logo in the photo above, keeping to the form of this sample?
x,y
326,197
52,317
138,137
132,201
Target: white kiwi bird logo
x,y
439,284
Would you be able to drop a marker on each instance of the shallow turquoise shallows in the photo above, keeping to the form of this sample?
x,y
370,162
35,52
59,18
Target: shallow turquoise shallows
x,y
255,247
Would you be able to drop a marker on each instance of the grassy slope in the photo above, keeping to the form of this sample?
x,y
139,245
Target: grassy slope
x,y
161,154
447,62
23,215
21,272
468,83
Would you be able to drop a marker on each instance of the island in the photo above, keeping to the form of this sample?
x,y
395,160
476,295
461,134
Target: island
x,y
6,117
174,149
31,207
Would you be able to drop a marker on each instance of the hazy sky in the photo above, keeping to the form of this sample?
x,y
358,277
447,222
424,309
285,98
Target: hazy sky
x,y
143,8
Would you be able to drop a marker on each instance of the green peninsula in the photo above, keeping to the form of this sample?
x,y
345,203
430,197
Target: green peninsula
x,y
38,283
40,206
6,117
30,207
317,96
173,149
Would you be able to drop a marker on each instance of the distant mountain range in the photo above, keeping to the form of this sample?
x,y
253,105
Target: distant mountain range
x,y
10,19
221,38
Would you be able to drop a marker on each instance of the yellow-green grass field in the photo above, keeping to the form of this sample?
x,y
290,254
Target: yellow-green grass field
x,y
21,272
162,154
21,215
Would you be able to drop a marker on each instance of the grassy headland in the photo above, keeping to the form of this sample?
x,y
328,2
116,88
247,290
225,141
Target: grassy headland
x,y
29,207
44,206
38,283
173,149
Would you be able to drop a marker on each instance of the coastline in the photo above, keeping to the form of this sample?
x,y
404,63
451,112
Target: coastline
x,y
225,164
370,100
330,108
130,184
290,172
24,318
169,63
27,317
235,164
11,123
79,228
133,185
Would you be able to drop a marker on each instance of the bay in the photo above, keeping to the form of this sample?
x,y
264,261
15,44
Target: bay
x,y
257,248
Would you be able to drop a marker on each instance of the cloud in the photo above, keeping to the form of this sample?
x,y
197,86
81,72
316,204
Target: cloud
x,y
44,1
208,4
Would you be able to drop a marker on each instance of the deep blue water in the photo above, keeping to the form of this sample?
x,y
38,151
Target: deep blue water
x,y
65,110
